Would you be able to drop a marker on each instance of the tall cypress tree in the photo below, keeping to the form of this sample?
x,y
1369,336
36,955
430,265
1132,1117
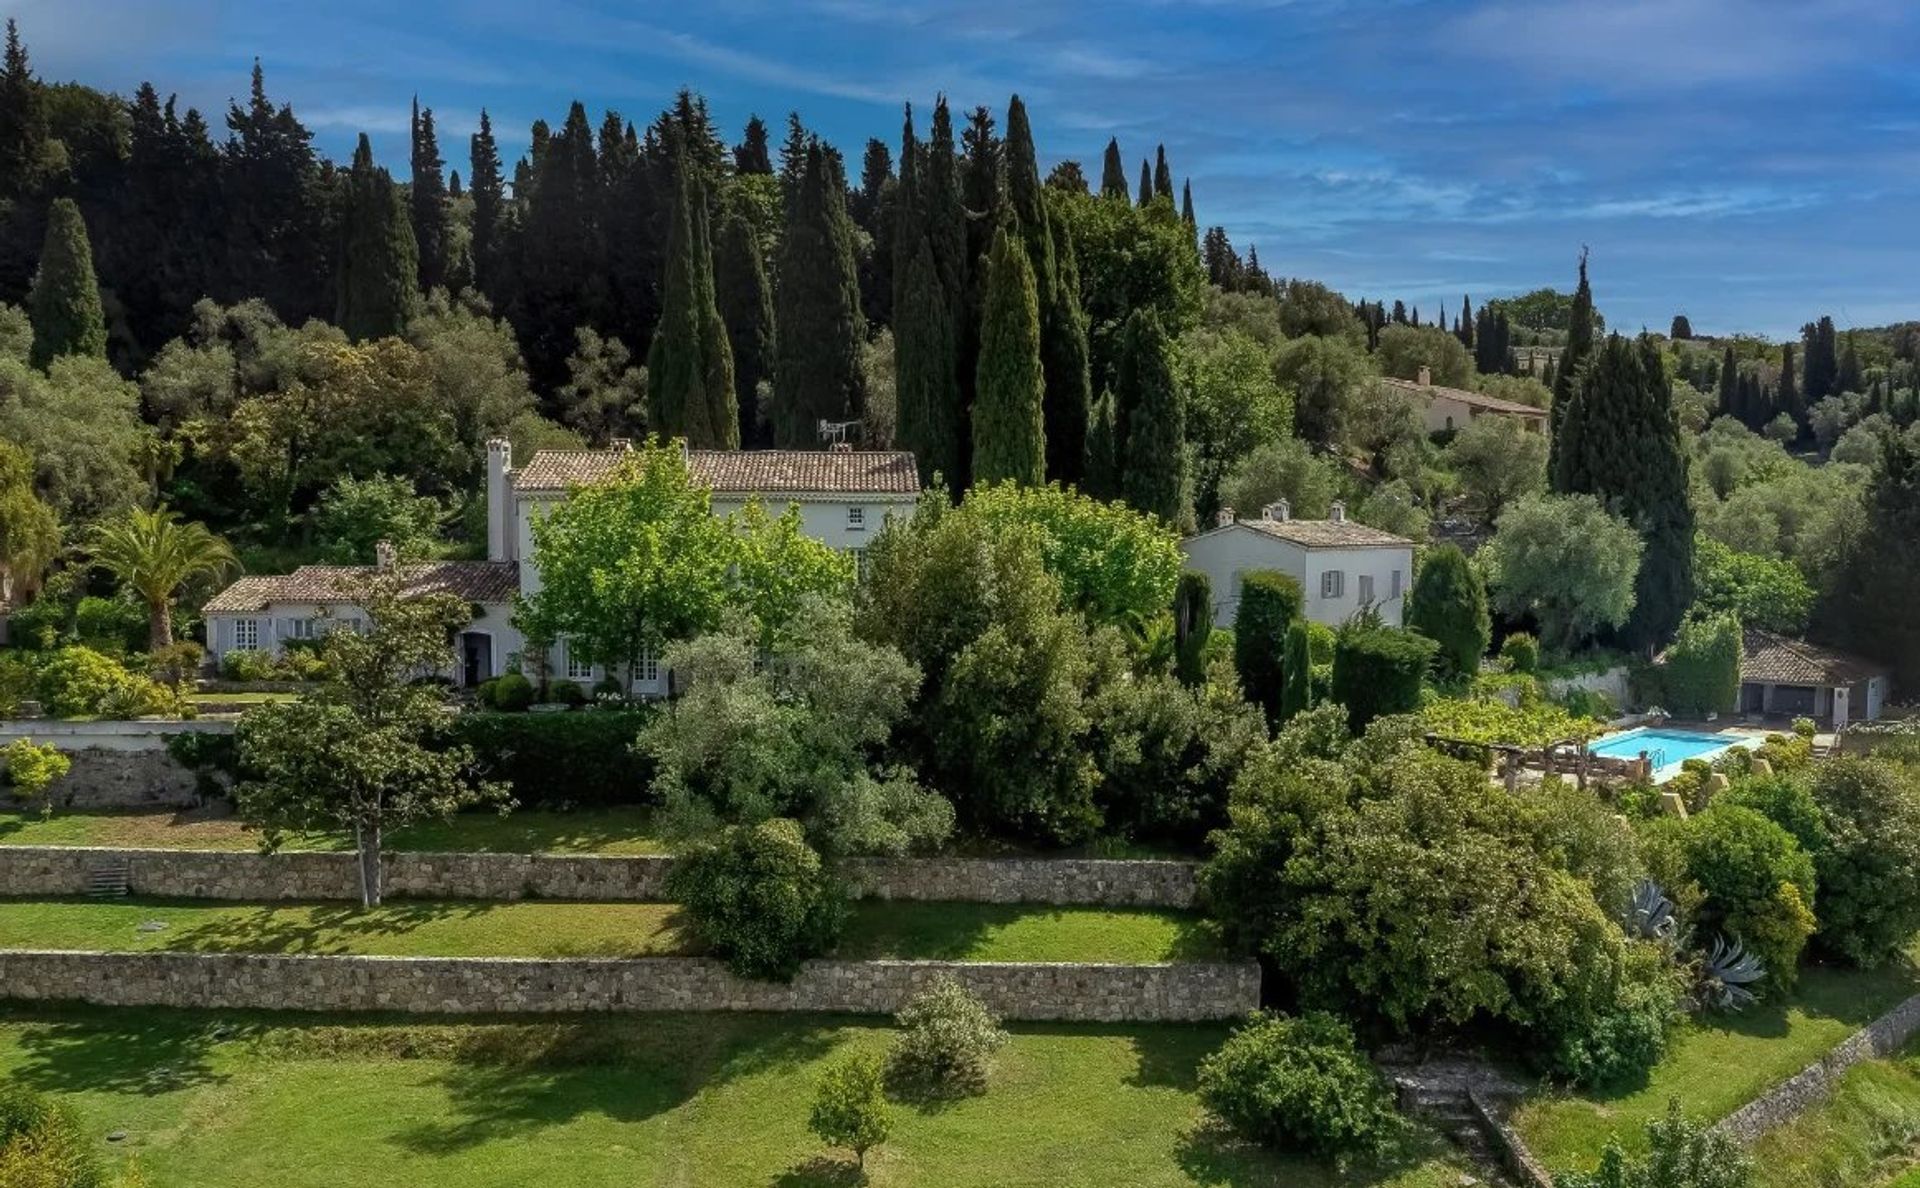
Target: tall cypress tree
x,y
746,307
1819,364
1871,607
1848,378
927,303
1186,205
1786,398
560,284
278,247
378,278
751,155
1567,374
1009,429
1113,174
23,119
690,364
1728,394
1162,176
817,307
1102,477
981,194
431,216
1464,328
1146,183
1153,459
64,302
489,208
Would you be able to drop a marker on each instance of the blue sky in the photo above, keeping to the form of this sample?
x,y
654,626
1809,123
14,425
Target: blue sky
x,y
1752,164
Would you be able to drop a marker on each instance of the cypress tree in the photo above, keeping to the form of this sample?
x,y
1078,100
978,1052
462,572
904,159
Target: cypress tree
x,y
1464,327
489,207
1848,378
1786,399
1820,364
1296,672
1681,330
1871,607
1066,360
560,279
1448,605
690,364
1567,373
1113,174
1270,604
751,155
1153,458
64,302
927,304
23,119
1009,428
1162,176
745,301
1102,478
818,326
277,206
1146,183
428,200
378,278
981,200
1192,625
1186,205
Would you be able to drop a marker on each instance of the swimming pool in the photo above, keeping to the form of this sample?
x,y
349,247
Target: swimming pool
x,y
1667,748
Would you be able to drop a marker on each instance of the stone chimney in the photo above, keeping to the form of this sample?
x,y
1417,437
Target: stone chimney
x,y
500,541
621,445
1223,518
1426,376
383,556
840,447
1337,512
1279,510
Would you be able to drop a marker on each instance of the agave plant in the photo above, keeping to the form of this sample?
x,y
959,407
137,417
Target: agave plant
x,y
1726,972
1651,914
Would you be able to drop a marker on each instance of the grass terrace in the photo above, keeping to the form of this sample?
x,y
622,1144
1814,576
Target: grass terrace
x,y
233,1100
1865,1133
1719,1062
473,928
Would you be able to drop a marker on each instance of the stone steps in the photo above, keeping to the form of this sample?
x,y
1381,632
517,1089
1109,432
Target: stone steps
x,y
110,878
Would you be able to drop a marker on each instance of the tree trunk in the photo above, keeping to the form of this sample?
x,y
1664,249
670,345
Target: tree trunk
x,y
366,838
159,626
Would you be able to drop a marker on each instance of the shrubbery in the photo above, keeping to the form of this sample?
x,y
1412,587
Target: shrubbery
x,y
1448,604
1680,1154
946,1043
1868,861
30,768
759,898
77,681
1700,673
1168,754
1625,1032
567,693
1378,670
560,760
42,1144
1270,601
1298,1084
1758,884
509,693
1521,652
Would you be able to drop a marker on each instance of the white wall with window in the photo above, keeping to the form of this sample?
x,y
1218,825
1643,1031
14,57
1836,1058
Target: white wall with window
x,y
1334,582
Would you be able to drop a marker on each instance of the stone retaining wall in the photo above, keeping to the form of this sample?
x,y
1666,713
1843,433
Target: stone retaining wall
x,y
116,764
1810,1085
249,875
1185,992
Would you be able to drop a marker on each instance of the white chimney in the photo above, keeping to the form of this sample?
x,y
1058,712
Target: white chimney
x,y
500,542
1279,509
1337,512
621,445
1223,518
383,556
840,447
1426,377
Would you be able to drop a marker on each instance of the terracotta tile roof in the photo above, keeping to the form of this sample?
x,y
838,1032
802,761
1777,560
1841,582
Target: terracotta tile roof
x,y
493,582
822,472
1771,659
1329,534
1475,399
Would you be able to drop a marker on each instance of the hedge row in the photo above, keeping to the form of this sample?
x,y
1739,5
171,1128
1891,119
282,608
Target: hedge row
x,y
556,760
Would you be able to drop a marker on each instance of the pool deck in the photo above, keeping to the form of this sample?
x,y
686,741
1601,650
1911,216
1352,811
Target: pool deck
x,y
1746,736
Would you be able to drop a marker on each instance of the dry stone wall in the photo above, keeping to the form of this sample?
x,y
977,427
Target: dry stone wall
x,y
248,875
1185,992
1811,1085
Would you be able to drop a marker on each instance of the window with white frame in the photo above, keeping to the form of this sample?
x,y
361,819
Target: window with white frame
x,y
579,668
1366,587
856,519
298,629
646,667
246,633
859,563
1333,584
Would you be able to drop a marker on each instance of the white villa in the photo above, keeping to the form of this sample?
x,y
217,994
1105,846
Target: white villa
x,y
844,496
1341,566
1448,409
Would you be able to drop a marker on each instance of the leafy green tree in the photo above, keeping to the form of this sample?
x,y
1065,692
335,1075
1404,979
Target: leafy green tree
x,y
1869,865
1323,374
1448,604
1498,460
1564,560
1700,670
760,898
850,1107
1153,442
946,1042
690,365
379,276
1009,429
1114,564
1233,405
64,302
1762,592
1270,603
1285,469
1298,1084
354,515
29,530
1884,557
427,201
80,423
1759,884
605,396
1404,350
817,308
1129,258
361,753
153,554
474,368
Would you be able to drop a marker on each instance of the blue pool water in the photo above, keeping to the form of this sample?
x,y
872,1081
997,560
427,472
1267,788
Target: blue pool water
x,y
1668,748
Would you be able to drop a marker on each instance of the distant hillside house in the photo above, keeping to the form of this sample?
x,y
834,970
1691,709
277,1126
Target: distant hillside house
x,y
843,495
1791,678
1450,409
1341,566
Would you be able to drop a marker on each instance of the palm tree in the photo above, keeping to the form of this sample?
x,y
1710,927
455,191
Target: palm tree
x,y
153,554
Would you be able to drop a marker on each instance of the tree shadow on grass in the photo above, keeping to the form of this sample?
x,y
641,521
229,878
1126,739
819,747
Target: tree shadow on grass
x,y
629,1071
328,929
122,1052
822,1171
1212,1155
934,931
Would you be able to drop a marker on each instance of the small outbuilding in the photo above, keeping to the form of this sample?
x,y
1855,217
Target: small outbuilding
x,y
1448,410
1791,678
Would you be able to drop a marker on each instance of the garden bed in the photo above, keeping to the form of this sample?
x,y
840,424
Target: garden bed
x,y
942,931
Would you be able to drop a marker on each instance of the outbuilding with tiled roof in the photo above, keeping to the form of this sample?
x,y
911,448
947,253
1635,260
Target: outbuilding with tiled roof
x,y
1782,677
1448,410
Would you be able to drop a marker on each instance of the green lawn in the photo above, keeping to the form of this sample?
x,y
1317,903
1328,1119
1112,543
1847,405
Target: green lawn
x,y
474,928
234,1101
627,829
1865,1133
1718,1063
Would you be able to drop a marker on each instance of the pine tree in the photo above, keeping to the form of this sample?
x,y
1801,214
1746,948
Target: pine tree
x,y
1162,176
751,155
378,280
1728,394
1567,371
23,120
278,247
1009,429
1146,183
1153,458
1113,174
690,364
818,324
489,209
428,200
64,302
745,301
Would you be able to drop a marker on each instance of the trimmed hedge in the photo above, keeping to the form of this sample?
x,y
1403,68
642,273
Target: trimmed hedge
x,y
1700,672
1377,671
560,760
1270,601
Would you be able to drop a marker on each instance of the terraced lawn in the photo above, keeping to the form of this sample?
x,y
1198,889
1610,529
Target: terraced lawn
x,y
234,1101
627,829
1866,1132
473,928
1718,1063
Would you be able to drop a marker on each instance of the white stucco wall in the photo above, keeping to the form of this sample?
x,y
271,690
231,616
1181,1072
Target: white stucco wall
x,y
277,623
1226,554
